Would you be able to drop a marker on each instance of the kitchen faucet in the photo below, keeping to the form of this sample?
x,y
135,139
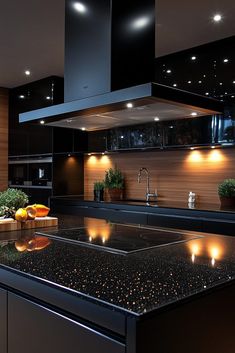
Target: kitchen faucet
x,y
148,193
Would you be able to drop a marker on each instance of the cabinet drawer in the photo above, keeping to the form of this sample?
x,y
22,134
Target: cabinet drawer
x,y
34,328
175,222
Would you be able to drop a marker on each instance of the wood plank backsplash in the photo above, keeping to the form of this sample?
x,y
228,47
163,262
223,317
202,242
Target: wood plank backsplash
x,y
172,173
3,138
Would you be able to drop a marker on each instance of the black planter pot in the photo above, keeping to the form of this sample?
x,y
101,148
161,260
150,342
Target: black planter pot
x,y
98,195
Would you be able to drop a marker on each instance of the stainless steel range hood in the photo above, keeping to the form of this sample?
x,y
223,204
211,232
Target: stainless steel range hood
x,y
109,57
149,102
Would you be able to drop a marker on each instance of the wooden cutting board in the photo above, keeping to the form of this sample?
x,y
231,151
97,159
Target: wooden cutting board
x,y
40,222
9,224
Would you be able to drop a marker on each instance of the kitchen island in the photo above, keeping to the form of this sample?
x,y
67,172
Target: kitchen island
x,y
103,287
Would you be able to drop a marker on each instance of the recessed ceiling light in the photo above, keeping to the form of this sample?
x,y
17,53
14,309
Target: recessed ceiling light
x,y
225,60
21,96
27,73
193,58
232,96
194,113
42,122
79,7
233,82
140,22
168,71
199,81
217,17
192,148
175,85
207,93
156,118
212,147
129,105
221,83
189,81
83,128
48,98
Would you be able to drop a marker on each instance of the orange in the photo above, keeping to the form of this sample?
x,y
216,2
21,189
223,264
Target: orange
x,y
42,211
21,215
21,245
31,211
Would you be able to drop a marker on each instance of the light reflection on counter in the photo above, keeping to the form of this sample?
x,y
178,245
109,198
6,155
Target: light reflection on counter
x,y
212,248
98,229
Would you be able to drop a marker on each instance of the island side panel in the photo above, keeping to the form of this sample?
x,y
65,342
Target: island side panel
x,y
203,324
3,321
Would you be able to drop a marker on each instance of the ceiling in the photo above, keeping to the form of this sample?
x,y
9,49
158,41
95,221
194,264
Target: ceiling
x,y
32,33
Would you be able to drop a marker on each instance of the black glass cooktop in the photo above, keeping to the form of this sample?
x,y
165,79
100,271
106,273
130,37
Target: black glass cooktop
x,y
118,238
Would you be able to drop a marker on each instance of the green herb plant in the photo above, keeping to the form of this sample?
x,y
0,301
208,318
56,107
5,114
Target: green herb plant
x,y
114,179
11,200
227,188
99,185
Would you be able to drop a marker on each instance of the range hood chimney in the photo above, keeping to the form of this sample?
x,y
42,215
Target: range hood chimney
x,y
109,62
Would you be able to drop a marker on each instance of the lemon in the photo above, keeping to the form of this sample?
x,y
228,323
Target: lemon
x,y
21,215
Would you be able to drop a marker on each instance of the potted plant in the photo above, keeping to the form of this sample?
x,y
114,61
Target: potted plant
x,y
114,182
99,191
226,191
11,200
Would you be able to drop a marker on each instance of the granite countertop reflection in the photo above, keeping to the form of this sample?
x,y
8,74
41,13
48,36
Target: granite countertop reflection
x,y
137,283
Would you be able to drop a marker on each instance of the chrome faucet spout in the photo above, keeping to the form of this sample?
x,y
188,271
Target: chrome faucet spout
x,y
148,193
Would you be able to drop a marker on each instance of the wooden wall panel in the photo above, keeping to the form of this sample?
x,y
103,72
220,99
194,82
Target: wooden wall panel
x,y
3,138
172,173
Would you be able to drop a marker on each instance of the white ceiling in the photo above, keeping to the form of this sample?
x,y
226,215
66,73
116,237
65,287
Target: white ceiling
x,y
32,33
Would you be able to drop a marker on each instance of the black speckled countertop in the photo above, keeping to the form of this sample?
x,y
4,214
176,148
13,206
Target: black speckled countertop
x,y
136,283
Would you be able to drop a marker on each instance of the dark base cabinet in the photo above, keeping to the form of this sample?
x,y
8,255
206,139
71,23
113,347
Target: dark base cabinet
x,y
35,329
200,221
3,321
201,324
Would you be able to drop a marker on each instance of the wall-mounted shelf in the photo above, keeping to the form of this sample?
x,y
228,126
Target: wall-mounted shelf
x,y
29,186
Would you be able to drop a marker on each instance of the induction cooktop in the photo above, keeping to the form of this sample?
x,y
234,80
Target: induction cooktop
x,y
121,239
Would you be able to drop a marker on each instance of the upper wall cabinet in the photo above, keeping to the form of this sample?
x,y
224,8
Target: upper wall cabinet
x,y
138,136
69,140
186,132
26,139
